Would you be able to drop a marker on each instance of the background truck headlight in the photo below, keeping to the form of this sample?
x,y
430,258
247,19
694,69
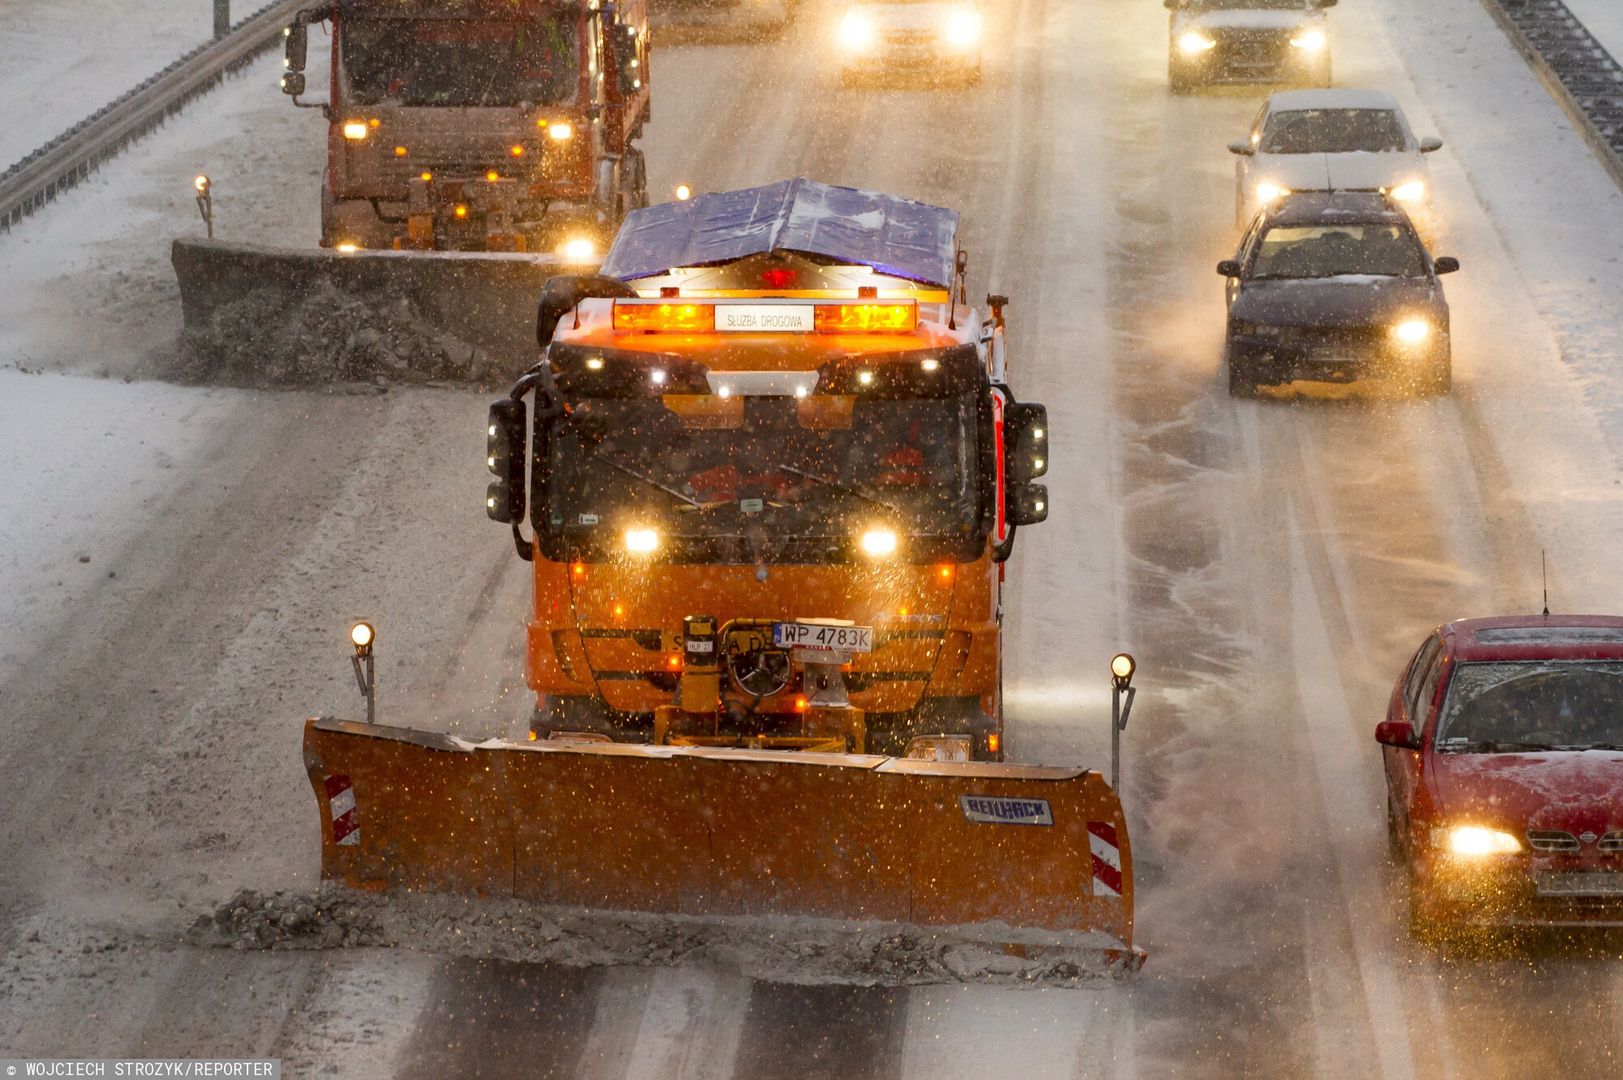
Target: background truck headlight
x,y
878,543
642,541
963,28
1475,842
1268,192
1193,43
858,32
1413,191
1412,331
1310,41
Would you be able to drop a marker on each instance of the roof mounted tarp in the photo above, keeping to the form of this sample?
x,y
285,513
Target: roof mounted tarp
x,y
895,236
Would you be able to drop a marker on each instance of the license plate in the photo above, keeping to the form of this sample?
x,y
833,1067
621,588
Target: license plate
x,y
765,318
1579,883
800,635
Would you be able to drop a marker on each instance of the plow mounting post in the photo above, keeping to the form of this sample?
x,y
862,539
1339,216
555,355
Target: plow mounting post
x,y
1122,692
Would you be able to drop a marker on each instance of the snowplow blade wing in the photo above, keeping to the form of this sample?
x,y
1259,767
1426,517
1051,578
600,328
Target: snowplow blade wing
x,y
290,314
1008,855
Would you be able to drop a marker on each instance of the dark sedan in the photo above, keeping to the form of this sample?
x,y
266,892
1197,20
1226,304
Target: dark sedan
x,y
1336,287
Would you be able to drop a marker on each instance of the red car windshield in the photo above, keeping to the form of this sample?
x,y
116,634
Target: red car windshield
x,y
1532,706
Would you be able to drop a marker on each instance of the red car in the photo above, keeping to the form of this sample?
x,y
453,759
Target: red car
x,y
1503,748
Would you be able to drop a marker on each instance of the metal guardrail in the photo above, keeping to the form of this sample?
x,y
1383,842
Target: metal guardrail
x,y
1575,68
70,157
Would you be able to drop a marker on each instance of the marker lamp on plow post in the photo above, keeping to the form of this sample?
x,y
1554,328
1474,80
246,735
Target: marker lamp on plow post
x,y
361,636
1122,692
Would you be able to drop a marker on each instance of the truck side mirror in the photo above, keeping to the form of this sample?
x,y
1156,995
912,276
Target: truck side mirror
x,y
297,48
1027,504
504,457
1025,443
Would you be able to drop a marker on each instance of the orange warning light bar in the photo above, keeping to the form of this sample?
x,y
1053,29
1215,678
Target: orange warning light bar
x,y
867,318
665,318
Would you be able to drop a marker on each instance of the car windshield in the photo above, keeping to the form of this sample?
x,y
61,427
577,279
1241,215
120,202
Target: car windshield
x,y
1533,705
1320,251
460,62
706,467
1333,131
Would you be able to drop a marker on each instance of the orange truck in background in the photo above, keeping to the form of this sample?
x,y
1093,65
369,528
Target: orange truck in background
x,y
480,125
772,474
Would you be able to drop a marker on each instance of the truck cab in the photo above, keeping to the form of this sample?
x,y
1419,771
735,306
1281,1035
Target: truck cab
x,y
479,125
772,472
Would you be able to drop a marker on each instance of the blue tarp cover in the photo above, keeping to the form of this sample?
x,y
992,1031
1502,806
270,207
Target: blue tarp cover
x,y
893,235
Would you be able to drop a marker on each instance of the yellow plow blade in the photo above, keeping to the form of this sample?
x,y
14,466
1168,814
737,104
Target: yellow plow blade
x,y
1010,855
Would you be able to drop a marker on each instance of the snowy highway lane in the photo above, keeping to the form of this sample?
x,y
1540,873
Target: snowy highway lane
x,y
1271,563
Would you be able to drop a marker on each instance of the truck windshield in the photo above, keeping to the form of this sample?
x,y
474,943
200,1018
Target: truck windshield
x,y
1533,705
460,62
742,478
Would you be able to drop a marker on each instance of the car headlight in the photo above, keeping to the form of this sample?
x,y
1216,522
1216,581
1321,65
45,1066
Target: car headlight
x,y
1473,841
642,541
1268,192
1310,41
1412,191
963,28
1412,331
879,543
858,31
1193,43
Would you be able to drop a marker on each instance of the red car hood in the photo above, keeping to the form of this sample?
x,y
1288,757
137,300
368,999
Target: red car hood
x,y
1577,791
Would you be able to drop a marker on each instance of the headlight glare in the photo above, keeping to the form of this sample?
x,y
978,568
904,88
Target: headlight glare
x,y
963,28
1412,191
1269,192
1412,331
1310,41
642,541
1473,841
1193,43
858,31
879,543
356,130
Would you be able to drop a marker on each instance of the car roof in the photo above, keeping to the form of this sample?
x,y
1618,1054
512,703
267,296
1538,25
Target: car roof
x,y
1289,100
1318,207
1536,637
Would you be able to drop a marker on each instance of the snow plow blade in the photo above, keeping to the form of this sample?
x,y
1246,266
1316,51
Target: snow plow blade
x,y
461,315
1011,856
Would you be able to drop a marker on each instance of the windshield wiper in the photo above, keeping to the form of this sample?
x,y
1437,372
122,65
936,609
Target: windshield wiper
x,y
848,489
649,480
1494,746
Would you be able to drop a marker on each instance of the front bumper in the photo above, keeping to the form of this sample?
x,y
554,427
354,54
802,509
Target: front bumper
x,y
1525,890
1333,355
913,54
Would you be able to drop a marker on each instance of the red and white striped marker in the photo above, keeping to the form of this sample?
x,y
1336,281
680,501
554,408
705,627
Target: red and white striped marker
x,y
346,825
1106,858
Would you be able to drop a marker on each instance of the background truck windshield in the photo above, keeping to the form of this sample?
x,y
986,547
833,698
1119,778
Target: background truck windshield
x,y
460,62
1537,705
705,467
1317,251
1333,131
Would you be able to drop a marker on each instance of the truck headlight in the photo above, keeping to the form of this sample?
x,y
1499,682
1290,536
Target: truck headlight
x,y
1193,43
1412,191
858,31
1473,841
560,131
879,543
642,541
1310,41
356,130
580,250
963,28
1412,331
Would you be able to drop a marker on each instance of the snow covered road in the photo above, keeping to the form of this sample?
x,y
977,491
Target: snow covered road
x,y
1272,564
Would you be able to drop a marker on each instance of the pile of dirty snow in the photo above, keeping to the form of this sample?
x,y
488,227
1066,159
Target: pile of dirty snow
x,y
792,950
322,335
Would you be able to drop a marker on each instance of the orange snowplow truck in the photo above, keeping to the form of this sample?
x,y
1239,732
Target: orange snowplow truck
x,y
772,472
480,125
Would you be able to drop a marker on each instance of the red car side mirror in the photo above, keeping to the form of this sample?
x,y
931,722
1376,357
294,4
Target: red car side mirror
x,y
1397,733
